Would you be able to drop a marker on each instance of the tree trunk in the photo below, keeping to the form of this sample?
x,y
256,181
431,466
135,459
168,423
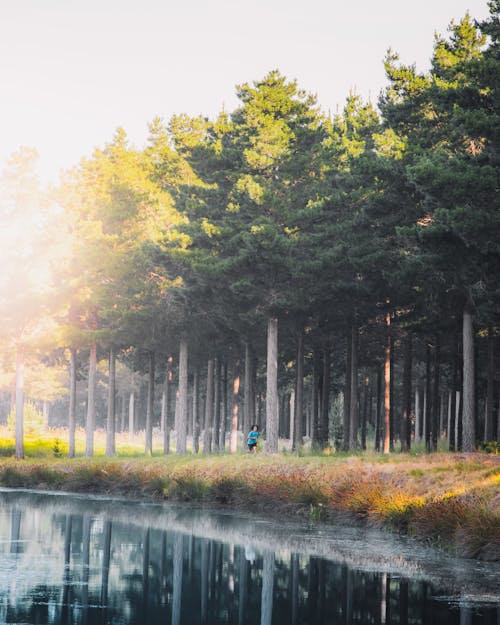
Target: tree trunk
x,y
387,388
468,415
222,438
90,422
209,408
233,443
426,417
418,416
19,404
435,395
299,394
266,612
260,411
347,395
216,430
110,425
370,419
490,379
131,406
165,404
72,402
106,556
307,413
428,399
455,359
353,403
177,573
378,412
498,418
189,427
365,413
283,416
243,587
458,407
325,399
442,428
149,407
406,416
181,425
196,411
146,549
123,411
392,417
291,412
163,408
272,387
248,416
294,582
85,559
67,579
315,400
449,420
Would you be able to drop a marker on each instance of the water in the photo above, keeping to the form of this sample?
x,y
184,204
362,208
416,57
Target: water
x,y
73,559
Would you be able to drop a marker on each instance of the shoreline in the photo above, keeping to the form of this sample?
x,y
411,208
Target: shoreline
x,y
448,501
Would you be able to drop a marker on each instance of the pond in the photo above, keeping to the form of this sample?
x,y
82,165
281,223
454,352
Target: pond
x,y
89,560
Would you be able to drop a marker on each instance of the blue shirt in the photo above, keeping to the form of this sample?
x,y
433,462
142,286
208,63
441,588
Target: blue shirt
x,y
252,438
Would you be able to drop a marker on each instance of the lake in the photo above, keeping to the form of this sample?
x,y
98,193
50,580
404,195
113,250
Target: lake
x,y
74,559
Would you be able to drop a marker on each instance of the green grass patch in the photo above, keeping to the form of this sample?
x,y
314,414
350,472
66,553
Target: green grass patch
x,y
416,472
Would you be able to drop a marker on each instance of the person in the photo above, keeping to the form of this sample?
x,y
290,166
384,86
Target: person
x,y
253,435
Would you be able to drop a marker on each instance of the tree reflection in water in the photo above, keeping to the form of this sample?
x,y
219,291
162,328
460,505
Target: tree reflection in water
x,y
80,564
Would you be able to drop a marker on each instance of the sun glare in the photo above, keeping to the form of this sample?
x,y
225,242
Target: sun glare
x,y
30,249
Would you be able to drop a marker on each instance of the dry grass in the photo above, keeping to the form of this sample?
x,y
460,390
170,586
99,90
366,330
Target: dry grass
x,y
449,499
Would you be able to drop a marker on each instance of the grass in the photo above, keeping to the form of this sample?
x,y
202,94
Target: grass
x,y
450,500
53,442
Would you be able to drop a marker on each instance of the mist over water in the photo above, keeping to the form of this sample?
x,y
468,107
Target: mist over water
x,y
74,559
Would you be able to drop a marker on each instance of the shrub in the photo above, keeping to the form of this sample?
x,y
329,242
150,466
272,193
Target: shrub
x,y
226,489
57,449
12,478
490,447
187,488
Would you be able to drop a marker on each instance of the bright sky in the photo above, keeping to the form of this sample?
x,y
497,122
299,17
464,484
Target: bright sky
x,y
71,71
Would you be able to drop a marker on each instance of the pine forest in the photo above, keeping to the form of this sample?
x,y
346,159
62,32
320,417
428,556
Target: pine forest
x,y
332,278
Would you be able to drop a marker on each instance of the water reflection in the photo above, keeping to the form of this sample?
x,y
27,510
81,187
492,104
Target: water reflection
x,y
75,561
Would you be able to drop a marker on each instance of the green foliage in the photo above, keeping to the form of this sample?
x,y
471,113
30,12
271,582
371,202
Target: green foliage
x,y
490,447
246,220
452,161
417,472
57,448
227,490
318,512
274,209
187,488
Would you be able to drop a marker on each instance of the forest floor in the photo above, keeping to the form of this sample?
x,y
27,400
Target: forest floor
x,y
451,500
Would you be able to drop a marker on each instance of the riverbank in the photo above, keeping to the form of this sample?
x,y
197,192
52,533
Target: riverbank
x,y
448,500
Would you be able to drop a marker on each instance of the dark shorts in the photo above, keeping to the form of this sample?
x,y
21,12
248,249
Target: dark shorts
x,y
251,446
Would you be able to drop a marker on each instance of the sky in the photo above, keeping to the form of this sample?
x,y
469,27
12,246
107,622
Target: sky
x,y
72,71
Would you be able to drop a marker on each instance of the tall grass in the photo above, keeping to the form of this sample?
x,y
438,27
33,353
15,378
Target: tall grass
x,y
448,499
